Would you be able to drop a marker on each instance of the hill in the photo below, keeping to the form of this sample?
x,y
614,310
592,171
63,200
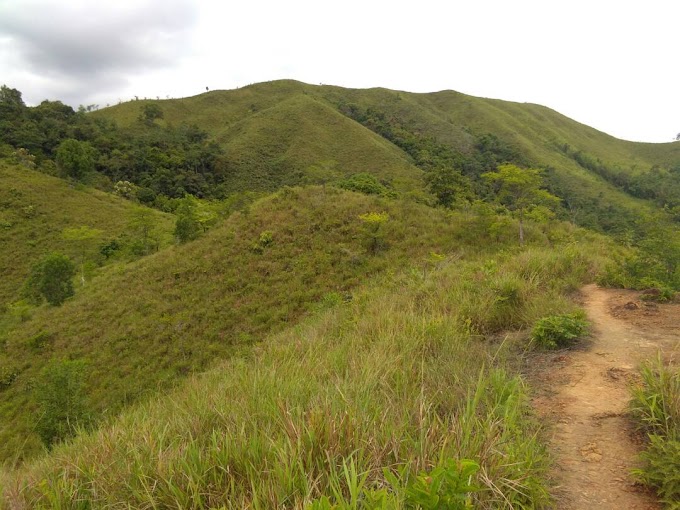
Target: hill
x,y
145,324
605,183
36,208
353,403
318,347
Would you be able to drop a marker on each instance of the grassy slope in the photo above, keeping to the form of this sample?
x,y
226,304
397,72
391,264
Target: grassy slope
x,y
387,381
272,133
302,139
148,323
35,208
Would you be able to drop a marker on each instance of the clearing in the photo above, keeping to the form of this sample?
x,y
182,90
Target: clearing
x,y
584,394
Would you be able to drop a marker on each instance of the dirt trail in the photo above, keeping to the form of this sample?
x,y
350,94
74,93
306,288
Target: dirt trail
x,y
585,395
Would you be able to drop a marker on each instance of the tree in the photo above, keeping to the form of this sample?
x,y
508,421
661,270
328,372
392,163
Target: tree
x,y
448,185
10,101
374,231
150,112
76,159
61,398
85,240
143,231
51,279
520,189
188,224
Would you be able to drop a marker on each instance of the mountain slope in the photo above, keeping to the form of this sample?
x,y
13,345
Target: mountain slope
x,y
34,210
146,324
395,383
272,131
302,139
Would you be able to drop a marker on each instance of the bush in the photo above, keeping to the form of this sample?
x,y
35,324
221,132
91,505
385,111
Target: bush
x,y
556,331
51,279
61,396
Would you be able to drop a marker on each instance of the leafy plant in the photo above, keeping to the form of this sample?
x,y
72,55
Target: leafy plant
x,y
446,487
557,331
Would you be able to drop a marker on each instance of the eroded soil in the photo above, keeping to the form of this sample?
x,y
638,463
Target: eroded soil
x,y
584,394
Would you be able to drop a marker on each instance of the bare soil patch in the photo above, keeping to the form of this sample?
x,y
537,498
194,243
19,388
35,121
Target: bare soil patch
x,y
584,393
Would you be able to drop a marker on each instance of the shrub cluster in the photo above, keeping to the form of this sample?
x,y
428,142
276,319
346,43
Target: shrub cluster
x,y
558,331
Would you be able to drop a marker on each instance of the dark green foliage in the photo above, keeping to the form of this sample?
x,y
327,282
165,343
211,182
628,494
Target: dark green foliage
x,y
655,261
150,113
430,154
76,159
8,373
559,331
60,393
51,279
449,186
659,183
168,160
364,183
186,228
40,341
110,248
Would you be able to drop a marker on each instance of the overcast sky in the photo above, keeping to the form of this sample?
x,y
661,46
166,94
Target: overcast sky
x,y
609,64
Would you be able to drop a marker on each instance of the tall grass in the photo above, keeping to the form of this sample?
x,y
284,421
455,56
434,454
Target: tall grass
x,y
350,406
656,406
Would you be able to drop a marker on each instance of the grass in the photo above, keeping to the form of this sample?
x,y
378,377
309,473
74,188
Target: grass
x,y
656,407
144,325
34,210
350,405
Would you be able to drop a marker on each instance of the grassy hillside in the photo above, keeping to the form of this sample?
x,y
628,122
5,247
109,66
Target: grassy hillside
x,y
35,209
145,324
285,132
304,140
350,406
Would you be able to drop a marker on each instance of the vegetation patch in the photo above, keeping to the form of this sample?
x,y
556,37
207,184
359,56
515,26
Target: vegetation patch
x,y
559,331
656,407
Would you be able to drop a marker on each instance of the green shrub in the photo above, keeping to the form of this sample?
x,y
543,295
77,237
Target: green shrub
x,y
60,393
8,373
658,294
51,279
39,341
445,487
556,331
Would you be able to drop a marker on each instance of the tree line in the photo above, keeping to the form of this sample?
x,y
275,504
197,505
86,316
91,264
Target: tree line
x,y
159,159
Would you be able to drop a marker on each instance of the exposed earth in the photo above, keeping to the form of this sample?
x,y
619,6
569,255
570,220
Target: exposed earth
x,y
584,393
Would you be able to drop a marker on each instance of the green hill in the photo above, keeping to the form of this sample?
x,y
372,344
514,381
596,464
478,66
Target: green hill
x,y
397,381
285,132
142,325
36,208
357,346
